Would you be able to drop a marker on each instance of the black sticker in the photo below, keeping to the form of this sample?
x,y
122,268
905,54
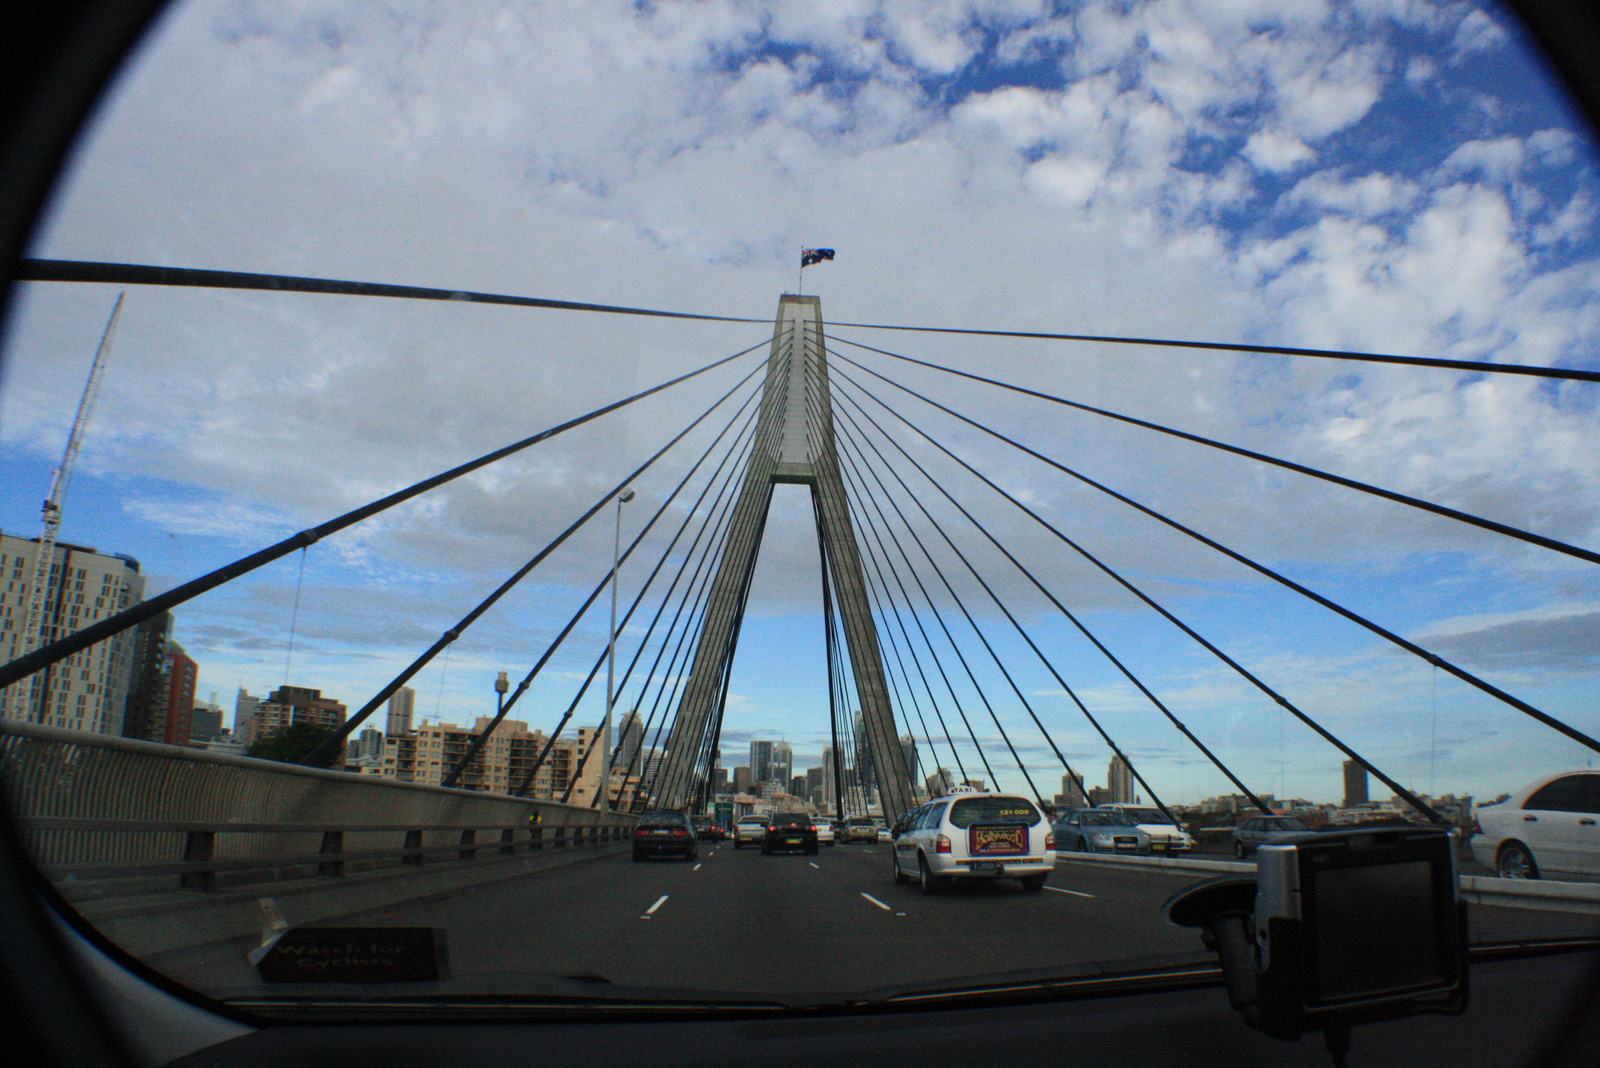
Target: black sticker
x,y
355,955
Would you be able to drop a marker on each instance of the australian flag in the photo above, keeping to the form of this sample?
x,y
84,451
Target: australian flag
x,y
808,256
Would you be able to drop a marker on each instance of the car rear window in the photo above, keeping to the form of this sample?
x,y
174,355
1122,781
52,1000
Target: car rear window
x,y
970,810
791,819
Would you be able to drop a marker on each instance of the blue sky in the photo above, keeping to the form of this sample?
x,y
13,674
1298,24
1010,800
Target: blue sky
x,y
1382,176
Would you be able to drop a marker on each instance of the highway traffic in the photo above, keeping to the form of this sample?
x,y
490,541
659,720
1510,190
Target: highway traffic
x,y
799,928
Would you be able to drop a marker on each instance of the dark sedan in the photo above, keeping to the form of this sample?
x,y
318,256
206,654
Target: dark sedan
x,y
665,834
790,831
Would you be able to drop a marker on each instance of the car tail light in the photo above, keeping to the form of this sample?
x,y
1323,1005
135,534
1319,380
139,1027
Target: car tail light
x,y
1050,840
943,845
641,832
680,832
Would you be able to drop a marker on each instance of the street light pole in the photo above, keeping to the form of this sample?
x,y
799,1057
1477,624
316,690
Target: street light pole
x,y
611,657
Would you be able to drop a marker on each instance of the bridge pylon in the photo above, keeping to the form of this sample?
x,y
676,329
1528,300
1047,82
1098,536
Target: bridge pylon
x,y
794,443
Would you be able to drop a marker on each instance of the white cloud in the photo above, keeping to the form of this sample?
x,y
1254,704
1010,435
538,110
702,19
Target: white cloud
x,y
677,155
1272,151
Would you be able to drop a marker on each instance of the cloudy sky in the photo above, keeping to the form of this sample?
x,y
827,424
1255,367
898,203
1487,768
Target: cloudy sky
x,y
1379,175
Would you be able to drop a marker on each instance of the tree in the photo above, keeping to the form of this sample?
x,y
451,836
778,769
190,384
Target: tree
x,y
290,744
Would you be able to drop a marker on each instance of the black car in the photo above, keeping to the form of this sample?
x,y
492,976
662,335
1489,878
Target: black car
x,y
706,830
665,833
790,830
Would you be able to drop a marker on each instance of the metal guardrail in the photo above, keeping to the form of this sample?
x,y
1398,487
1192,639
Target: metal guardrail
x,y
112,816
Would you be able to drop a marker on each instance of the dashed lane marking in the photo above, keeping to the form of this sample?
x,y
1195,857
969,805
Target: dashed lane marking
x,y
1074,893
876,902
818,867
662,900
697,866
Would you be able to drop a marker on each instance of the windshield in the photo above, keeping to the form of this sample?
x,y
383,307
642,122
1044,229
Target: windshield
x,y
1105,819
570,335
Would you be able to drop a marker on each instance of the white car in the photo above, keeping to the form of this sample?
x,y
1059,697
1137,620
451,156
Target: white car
x,y
749,829
974,834
1165,835
825,834
1548,828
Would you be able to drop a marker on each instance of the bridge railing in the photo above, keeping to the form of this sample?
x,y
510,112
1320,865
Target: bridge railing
x,y
108,816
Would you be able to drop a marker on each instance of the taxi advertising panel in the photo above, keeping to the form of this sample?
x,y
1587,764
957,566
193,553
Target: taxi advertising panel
x,y
990,841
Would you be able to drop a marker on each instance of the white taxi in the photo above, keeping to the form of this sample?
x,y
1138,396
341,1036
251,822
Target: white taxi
x,y
974,834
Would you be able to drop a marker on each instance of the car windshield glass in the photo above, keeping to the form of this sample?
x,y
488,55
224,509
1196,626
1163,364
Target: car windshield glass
x,y
457,456
1105,819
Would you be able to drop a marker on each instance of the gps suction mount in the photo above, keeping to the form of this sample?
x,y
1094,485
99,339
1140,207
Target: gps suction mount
x,y
1337,930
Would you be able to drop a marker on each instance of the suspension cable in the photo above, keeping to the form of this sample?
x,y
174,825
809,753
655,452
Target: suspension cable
x,y
1476,366
480,739
533,770
864,493
1339,480
330,745
143,275
855,442
1284,702
1410,647
24,666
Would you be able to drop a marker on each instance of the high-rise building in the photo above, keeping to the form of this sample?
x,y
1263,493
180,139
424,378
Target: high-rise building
x,y
369,748
144,711
782,764
294,704
182,675
1355,784
741,779
940,782
1120,782
205,725
761,761
87,691
866,766
401,705
630,736
571,767
244,716
908,755
1071,795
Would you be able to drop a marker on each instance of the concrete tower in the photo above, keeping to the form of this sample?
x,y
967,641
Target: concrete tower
x,y
794,444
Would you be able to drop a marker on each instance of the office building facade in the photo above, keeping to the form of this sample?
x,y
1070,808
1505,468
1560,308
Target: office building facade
x,y
88,691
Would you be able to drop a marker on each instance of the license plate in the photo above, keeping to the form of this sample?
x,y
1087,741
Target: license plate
x,y
661,832
1158,847
791,841
985,865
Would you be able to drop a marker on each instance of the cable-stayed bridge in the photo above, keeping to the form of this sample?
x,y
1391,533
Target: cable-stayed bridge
x,y
923,632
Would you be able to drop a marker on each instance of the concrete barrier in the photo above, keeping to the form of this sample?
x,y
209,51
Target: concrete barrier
x,y
163,847
1548,895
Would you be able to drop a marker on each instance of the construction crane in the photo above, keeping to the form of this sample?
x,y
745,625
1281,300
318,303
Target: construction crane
x,y
33,622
